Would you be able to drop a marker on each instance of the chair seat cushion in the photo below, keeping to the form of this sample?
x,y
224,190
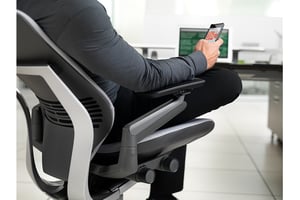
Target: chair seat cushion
x,y
160,142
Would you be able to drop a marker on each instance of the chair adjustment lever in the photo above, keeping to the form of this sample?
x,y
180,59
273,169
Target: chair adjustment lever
x,y
143,175
169,165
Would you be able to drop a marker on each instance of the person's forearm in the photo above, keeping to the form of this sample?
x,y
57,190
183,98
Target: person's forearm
x,y
173,70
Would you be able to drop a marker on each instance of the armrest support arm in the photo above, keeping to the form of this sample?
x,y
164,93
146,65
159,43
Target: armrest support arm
x,y
135,132
151,121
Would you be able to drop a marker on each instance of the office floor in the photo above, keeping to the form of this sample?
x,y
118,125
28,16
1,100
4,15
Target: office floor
x,y
236,161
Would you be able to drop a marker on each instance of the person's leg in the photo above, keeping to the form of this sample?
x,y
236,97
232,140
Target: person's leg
x,y
222,86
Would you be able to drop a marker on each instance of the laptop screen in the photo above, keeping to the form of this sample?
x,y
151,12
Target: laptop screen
x,y
188,37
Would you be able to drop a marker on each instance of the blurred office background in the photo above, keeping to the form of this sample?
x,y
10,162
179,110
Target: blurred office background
x,y
241,158
254,25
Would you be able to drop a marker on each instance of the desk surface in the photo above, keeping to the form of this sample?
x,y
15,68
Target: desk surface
x,y
257,72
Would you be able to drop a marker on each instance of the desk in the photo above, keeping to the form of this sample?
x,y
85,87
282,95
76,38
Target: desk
x,y
255,72
265,72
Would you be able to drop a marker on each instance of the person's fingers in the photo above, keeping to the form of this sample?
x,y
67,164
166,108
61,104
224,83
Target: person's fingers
x,y
219,41
199,45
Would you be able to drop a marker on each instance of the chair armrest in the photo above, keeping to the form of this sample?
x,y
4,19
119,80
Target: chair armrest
x,y
175,89
146,125
136,131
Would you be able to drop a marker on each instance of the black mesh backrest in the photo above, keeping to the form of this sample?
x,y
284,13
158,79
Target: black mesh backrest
x,y
34,48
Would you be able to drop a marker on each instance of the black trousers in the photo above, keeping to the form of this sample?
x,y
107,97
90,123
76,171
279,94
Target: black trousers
x,y
222,86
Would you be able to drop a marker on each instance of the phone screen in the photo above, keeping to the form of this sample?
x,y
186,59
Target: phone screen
x,y
214,32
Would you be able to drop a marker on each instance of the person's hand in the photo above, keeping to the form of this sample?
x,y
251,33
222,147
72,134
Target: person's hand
x,y
210,50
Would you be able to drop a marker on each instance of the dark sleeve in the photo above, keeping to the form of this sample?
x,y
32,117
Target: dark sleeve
x,y
90,39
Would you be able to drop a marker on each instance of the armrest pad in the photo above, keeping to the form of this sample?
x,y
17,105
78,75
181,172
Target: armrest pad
x,y
176,89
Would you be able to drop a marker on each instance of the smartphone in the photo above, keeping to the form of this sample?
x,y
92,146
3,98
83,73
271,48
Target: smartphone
x,y
214,32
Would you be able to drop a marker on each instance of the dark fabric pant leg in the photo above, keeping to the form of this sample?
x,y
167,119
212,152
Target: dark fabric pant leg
x,y
222,87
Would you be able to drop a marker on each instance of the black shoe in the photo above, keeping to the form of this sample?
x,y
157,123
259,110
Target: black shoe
x,y
162,197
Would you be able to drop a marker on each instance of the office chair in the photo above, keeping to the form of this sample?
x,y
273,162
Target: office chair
x,y
74,116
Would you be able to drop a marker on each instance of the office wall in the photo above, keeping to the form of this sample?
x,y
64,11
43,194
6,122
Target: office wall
x,y
129,19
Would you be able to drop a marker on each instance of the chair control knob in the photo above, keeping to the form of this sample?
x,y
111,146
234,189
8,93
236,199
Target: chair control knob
x,y
169,164
144,175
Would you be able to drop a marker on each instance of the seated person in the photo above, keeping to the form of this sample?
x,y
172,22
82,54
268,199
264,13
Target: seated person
x,y
82,29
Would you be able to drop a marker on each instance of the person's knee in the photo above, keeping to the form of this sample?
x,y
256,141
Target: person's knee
x,y
226,84
233,84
